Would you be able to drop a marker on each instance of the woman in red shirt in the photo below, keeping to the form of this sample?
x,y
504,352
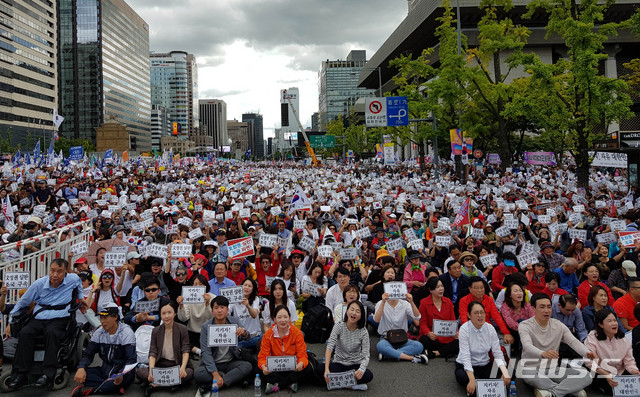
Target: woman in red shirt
x,y
436,307
592,274
266,266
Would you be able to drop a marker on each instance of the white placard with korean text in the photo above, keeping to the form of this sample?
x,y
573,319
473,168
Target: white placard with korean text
x,y
281,363
17,280
341,380
180,250
396,289
234,294
168,376
445,328
193,294
222,335
490,388
628,385
114,259
147,306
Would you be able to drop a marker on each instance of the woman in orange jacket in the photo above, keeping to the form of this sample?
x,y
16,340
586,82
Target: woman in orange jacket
x,y
283,339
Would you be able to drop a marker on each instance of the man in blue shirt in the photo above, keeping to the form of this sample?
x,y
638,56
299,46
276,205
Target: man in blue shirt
x,y
220,280
52,295
568,279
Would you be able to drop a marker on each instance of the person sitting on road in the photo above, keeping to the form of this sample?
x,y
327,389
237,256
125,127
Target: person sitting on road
x,y
349,343
136,318
169,348
220,363
52,295
115,343
478,338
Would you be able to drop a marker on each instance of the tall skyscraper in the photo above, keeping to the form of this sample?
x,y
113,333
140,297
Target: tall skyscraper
x,y
289,126
28,59
338,86
160,125
213,121
103,67
256,140
174,85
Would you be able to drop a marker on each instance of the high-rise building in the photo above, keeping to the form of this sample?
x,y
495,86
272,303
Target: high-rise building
x,y
103,67
315,121
174,85
338,86
289,100
213,121
256,140
239,136
160,125
27,70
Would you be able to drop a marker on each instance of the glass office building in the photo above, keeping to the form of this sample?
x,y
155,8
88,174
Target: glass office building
x,y
28,86
338,87
103,69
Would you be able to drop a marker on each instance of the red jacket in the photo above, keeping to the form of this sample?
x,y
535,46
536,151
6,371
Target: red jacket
x,y
583,293
429,312
498,275
490,309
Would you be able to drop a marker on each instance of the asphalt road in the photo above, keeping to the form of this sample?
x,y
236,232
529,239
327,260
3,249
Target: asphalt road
x,y
390,379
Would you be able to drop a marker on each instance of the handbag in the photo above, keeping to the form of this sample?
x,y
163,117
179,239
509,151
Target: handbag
x,y
397,337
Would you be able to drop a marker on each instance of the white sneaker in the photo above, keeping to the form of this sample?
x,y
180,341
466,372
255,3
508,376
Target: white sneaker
x,y
581,393
379,356
362,387
542,393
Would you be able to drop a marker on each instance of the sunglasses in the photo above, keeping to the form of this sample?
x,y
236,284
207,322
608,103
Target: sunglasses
x,y
107,276
151,289
181,274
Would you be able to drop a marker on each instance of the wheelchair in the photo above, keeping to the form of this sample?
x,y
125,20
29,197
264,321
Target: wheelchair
x,y
69,354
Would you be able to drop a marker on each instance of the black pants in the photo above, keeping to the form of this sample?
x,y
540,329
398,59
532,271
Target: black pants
x,y
194,339
337,367
480,372
445,349
284,379
53,332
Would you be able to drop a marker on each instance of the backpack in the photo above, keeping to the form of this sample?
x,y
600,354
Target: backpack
x,y
317,324
143,343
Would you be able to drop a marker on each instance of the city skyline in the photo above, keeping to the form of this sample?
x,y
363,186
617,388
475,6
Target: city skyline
x,y
253,49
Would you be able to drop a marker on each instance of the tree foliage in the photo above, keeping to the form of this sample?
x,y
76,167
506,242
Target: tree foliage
x,y
64,144
572,97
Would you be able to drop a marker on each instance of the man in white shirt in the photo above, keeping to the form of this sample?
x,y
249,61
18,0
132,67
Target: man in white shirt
x,y
541,336
334,294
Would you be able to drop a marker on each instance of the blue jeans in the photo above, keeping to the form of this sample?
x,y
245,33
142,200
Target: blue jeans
x,y
250,343
411,348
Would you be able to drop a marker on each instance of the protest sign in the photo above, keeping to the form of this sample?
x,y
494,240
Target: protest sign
x,y
234,294
348,253
526,258
193,294
490,388
489,260
157,251
17,280
628,385
307,243
240,247
396,289
443,241
310,288
267,240
628,239
144,306
341,380
222,335
114,259
445,328
281,363
325,251
180,250
167,376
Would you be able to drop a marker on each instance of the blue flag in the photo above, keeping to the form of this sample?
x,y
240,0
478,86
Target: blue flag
x,y
27,159
248,152
36,151
50,151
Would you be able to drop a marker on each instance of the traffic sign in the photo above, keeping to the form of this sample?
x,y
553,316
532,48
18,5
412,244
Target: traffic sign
x,y
477,153
322,141
389,111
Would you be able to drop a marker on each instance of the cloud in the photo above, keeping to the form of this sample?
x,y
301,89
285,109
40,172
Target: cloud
x,y
247,50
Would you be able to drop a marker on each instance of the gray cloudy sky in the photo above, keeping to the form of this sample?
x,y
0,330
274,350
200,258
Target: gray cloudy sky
x,y
247,50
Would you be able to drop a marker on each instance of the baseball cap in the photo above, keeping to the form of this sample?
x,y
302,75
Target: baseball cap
x,y
110,309
133,255
630,268
85,275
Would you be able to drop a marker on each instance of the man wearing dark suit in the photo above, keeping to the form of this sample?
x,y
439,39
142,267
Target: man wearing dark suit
x,y
456,284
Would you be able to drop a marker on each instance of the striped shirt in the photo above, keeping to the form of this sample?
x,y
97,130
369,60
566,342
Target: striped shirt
x,y
349,347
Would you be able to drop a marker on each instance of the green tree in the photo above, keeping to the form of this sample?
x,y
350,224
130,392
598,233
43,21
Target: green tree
x,y
5,143
575,98
357,136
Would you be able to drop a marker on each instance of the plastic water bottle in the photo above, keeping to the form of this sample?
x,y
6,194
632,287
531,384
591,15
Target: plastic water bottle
x,y
512,389
214,388
257,386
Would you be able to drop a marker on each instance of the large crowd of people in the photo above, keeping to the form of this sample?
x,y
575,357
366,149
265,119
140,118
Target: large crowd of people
x,y
229,269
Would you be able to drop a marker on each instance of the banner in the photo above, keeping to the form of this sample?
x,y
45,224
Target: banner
x,y
389,156
379,154
608,159
540,158
493,158
456,141
76,153
468,143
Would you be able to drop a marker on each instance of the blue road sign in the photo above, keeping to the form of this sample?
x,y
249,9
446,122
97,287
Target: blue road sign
x,y
397,111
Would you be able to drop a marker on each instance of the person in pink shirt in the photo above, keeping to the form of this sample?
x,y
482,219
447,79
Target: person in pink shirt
x,y
514,310
614,351
414,275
